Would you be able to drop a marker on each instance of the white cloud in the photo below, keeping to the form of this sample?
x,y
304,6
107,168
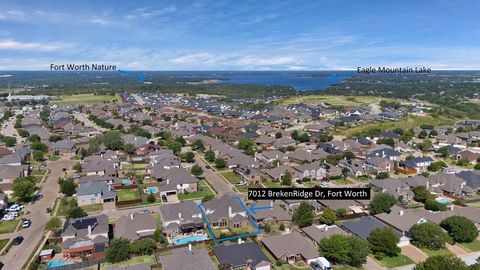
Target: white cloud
x,y
10,44
12,14
147,13
99,21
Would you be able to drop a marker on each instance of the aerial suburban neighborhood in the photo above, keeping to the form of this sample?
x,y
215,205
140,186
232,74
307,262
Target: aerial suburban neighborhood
x,y
239,135
150,180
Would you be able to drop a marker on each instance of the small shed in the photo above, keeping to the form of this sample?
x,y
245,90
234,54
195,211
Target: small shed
x,y
46,254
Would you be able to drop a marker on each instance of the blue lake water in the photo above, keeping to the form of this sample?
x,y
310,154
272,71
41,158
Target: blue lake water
x,y
300,81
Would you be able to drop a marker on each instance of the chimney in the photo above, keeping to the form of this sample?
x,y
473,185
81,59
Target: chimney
x,y
400,213
239,241
230,211
428,185
190,246
326,228
451,207
89,230
180,215
131,216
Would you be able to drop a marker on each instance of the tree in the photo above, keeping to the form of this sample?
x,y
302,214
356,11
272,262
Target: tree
x,y
39,146
382,175
9,141
304,138
387,141
294,134
436,166
433,205
34,138
381,203
67,186
286,178
198,145
181,141
384,240
303,215
328,216
23,188
55,138
189,157
344,249
151,198
441,263
118,250
176,147
129,148
77,167
421,194
38,155
278,135
158,236
74,211
112,140
349,155
23,133
54,224
245,143
220,163
460,228
196,170
144,246
210,156
341,212
423,134
428,235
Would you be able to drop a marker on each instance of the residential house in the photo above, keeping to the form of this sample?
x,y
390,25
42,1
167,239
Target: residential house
x,y
276,215
135,226
225,211
377,165
96,165
291,247
252,176
187,259
415,165
174,180
400,219
63,147
314,170
242,256
182,217
95,192
365,225
85,237
318,232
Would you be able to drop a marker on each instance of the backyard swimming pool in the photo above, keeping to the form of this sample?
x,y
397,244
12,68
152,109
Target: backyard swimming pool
x,y
151,190
444,200
126,182
56,263
188,239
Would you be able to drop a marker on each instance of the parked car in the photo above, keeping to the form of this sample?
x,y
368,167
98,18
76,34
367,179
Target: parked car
x,y
8,218
14,208
144,211
26,223
243,183
18,240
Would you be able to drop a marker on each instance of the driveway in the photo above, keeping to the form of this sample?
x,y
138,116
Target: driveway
x,y
372,265
17,256
414,253
456,249
82,117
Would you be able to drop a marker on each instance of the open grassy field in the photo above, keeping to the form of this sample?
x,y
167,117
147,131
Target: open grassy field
x,y
346,101
231,177
407,123
85,99
437,252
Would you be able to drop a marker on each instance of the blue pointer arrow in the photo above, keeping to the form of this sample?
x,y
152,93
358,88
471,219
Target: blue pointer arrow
x,y
140,77
254,208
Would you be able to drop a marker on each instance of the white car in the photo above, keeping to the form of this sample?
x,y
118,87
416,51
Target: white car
x,y
26,223
7,218
15,208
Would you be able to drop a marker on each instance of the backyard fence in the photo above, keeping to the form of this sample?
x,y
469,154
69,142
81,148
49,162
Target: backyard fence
x,y
79,265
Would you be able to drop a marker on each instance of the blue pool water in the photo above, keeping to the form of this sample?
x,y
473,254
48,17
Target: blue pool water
x,y
189,239
57,263
151,190
444,200
126,182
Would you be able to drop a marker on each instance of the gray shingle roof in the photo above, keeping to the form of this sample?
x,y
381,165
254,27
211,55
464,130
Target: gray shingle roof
x,y
239,255
187,260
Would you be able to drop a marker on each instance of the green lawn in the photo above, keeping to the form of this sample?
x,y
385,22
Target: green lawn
x,y
203,190
93,207
410,122
392,262
127,194
232,231
8,226
53,158
3,242
438,252
85,99
345,267
272,184
133,261
347,101
341,181
39,172
472,246
244,189
231,177
138,166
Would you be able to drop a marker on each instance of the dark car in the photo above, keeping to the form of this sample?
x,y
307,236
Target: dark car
x,y
18,240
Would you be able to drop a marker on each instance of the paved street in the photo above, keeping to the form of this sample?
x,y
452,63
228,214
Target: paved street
x,y
17,256
8,127
214,179
82,117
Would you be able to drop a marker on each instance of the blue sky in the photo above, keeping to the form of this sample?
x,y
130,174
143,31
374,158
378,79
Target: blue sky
x,y
240,35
